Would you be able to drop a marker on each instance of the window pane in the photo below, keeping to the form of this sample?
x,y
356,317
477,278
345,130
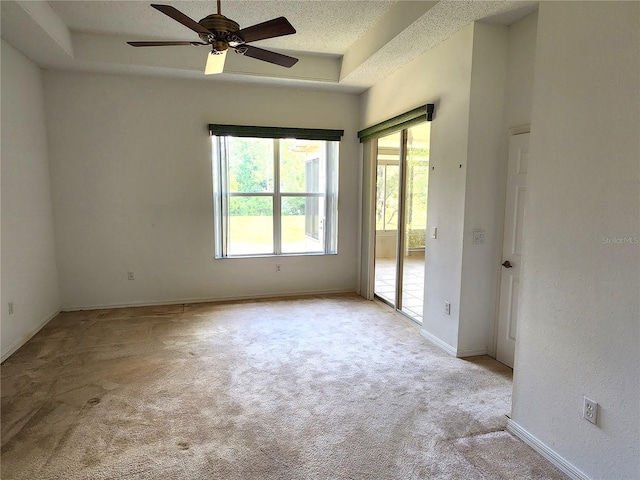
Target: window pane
x,y
302,224
380,181
250,225
250,163
302,166
389,147
417,165
388,182
260,184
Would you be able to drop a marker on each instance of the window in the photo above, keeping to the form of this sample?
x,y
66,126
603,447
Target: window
x,y
387,181
274,196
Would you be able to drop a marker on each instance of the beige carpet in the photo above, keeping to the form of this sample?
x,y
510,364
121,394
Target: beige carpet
x,y
308,388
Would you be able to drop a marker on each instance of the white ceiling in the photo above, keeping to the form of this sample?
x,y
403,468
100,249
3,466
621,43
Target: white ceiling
x,y
342,22
342,45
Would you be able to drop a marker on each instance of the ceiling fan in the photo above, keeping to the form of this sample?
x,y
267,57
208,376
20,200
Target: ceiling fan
x,y
222,33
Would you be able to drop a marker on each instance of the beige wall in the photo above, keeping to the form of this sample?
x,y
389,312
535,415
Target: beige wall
x,y
29,274
520,64
465,77
484,192
131,178
572,72
579,320
441,76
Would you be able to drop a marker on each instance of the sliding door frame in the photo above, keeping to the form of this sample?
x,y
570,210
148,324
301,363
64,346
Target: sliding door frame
x,y
369,138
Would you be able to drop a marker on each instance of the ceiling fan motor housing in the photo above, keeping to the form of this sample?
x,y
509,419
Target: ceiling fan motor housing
x,y
221,29
222,33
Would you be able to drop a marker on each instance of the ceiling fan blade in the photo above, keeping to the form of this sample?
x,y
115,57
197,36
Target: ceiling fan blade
x,y
178,16
267,55
215,62
164,44
272,28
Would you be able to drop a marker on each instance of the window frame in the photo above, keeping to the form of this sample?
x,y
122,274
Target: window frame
x,y
222,195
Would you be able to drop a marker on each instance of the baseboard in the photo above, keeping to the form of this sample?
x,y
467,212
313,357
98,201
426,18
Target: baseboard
x,y
472,353
181,301
439,343
21,341
556,460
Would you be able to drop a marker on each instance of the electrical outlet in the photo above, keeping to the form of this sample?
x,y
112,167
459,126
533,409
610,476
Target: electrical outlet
x,y
590,411
277,268
10,308
130,276
447,308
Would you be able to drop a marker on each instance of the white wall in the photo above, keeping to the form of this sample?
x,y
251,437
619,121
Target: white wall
x,y
485,169
29,275
520,64
441,76
579,317
465,77
131,179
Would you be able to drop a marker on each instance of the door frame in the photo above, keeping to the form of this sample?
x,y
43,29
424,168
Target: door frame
x,y
369,156
370,174
368,239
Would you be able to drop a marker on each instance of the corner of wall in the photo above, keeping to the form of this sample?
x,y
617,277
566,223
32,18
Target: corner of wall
x,y
578,322
483,210
29,267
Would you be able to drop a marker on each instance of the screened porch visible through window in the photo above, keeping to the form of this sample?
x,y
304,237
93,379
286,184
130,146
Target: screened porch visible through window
x,y
274,196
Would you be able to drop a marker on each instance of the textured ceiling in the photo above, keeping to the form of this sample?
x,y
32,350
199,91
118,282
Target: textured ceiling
x,y
438,23
322,26
343,45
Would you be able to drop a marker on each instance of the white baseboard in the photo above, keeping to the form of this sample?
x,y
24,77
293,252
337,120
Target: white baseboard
x,y
21,341
472,352
451,350
556,460
181,301
439,343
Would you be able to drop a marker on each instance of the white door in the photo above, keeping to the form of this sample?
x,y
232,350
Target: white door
x,y
512,247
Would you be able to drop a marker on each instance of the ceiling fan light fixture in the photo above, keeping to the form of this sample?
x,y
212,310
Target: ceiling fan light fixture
x,y
221,33
215,62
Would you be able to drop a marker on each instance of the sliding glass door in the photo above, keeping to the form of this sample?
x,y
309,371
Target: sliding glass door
x,y
402,174
387,215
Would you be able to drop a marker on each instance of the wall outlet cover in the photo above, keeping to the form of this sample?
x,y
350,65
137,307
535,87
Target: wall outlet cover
x,y
590,411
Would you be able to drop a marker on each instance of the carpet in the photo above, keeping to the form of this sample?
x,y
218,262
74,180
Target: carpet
x,y
325,387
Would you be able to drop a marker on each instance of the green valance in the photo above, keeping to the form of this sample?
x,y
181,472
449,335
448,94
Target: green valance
x,y
275,132
395,124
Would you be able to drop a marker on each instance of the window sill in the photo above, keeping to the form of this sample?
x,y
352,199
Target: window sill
x,y
271,255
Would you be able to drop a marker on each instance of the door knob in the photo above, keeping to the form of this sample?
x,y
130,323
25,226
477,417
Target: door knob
x,y
507,264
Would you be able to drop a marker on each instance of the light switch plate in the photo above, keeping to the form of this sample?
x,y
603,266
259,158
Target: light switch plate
x,y
478,237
